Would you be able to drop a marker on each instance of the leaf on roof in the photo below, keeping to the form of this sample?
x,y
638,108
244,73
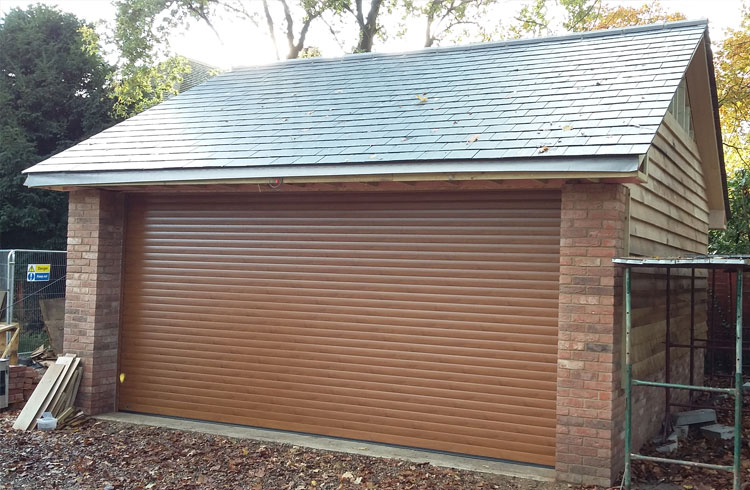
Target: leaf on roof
x,y
544,149
472,138
567,127
422,99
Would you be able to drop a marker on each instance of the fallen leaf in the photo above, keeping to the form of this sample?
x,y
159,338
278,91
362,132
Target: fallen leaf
x,y
567,127
347,476
422,99
122,377
472,138
544,149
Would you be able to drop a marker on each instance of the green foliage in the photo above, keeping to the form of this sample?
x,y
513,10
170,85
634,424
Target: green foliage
x,y
54,93
49,85
143,28
532,20
580,14
615,17
147,75
586,15
458,19
140,87
310,52
736,238
732,64
29,218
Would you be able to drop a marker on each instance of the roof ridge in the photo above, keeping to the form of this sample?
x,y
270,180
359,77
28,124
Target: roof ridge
x,y
491,44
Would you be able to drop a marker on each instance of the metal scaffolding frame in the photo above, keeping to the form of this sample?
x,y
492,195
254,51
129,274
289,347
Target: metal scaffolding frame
x,y
732,263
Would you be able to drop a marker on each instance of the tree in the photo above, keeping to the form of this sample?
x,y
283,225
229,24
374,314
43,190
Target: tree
x,y
596,16
442,17
143,26
532,20
733,87
53,93
586,15
732,64
368,22
735,239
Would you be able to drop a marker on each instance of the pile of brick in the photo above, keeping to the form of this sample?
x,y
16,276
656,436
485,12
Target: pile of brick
x,y
22,381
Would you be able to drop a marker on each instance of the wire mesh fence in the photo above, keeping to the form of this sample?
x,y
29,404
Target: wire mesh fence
x,y
34,285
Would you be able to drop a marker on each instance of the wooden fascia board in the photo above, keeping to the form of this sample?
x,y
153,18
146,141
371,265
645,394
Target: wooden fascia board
x,y
702,96
613,177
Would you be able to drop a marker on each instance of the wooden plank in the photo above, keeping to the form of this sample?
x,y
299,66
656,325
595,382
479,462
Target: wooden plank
x,y
39,397
64,386
53,314
76,382
70,393
61,361
65,415
9,350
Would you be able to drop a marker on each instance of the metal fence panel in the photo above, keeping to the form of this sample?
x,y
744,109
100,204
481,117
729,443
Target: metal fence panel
x,y
4,272
29,287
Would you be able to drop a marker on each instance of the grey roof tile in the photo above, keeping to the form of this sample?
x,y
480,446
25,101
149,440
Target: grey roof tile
x,y
588,94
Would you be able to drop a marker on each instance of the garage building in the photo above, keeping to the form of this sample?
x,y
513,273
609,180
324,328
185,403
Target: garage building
x,y
412,249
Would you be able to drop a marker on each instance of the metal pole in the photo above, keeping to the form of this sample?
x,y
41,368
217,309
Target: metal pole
x,y
738,389
667,356
11,285
712,322
628,381
692,331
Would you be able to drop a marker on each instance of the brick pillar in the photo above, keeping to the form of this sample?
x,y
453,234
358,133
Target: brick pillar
x,y
590,403
92,308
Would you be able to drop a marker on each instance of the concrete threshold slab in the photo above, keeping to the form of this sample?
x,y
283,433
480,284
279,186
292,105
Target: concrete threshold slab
x,y
340,445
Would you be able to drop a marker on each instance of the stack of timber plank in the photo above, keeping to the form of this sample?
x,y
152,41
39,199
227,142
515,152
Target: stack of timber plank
x,y
56,393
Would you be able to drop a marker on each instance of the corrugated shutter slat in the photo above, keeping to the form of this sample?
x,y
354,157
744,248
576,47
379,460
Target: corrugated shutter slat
x,y
420,319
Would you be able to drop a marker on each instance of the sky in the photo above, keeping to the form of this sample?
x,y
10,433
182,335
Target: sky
x,y
240,44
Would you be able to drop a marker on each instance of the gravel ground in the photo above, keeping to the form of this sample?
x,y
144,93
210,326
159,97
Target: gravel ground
x,y
107,455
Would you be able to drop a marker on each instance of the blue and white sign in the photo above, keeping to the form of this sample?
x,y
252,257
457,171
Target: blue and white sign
x,y
37,272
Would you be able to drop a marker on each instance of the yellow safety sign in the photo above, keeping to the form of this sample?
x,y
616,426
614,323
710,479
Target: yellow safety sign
x,y
38,272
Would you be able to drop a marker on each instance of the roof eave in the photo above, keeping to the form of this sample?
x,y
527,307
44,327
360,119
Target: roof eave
x,y
610,167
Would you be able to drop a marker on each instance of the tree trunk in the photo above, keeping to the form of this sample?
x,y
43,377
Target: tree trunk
x,y
428,37
269,22
368,29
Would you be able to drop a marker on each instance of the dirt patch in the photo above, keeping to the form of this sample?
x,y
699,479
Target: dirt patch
x,y
109,455
697,448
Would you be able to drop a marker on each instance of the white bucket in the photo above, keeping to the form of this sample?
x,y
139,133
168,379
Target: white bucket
x,y
47,422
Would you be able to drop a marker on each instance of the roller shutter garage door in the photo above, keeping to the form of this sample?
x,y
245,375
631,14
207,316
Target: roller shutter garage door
x,y
419,319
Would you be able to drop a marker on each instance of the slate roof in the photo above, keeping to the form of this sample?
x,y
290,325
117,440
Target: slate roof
x,y
585,102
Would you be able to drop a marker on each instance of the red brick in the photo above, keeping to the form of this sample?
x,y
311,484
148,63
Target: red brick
x,y
589,329
95,233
